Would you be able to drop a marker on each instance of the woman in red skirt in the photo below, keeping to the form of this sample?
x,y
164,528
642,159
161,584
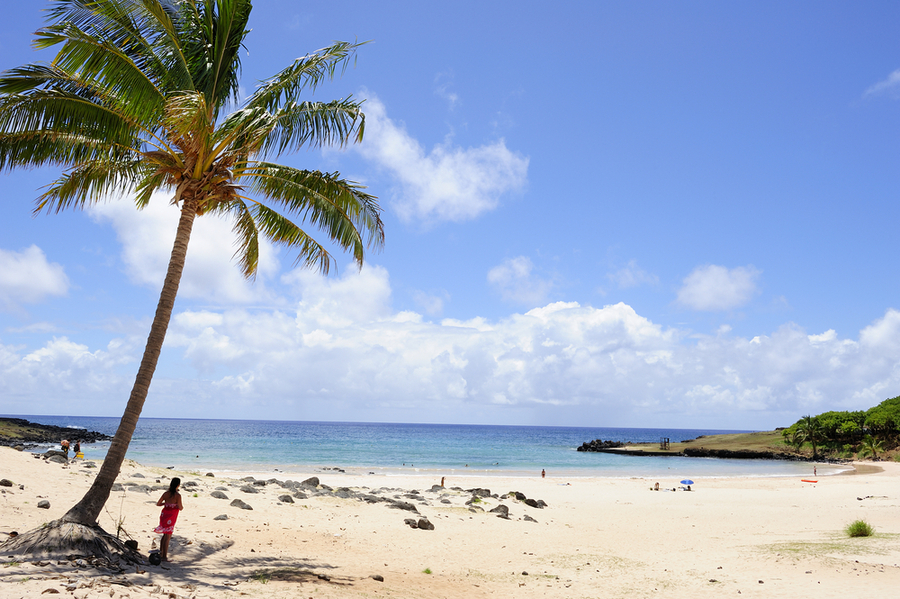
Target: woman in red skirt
x,y
171,502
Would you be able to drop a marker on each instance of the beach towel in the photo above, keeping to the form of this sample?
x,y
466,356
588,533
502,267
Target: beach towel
x,y
167,519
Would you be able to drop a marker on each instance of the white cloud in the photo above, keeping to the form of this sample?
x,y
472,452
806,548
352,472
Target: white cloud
x,y
632,276
890,86
449,183
430,303
27,277
210,272
342,353
515,281
713,288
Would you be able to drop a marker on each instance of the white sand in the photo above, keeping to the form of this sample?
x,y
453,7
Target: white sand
x,y
774,537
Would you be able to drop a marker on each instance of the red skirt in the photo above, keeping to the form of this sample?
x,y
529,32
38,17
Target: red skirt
x,y
167,519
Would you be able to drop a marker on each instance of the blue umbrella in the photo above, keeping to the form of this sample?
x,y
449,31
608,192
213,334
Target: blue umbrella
x,y
687,482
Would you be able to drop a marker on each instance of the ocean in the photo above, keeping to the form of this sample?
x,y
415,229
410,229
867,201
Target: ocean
x,y
432,450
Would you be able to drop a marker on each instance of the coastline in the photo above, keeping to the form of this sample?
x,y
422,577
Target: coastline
x,y
764,537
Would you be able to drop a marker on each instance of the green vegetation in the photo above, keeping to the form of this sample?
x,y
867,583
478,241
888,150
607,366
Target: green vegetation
x,y
871,433
860,528
426,571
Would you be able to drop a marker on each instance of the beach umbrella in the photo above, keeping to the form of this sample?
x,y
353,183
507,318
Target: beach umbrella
x,y
687,482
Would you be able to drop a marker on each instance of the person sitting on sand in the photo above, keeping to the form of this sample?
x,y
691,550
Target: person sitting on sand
x,y
171,502
656,487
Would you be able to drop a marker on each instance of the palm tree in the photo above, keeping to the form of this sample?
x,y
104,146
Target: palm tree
x,y
136,102
810,431
870,445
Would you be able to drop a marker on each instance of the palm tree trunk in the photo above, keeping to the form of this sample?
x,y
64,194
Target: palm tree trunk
x,y
88,509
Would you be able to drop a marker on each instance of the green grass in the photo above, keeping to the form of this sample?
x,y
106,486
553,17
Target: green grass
x,y
426,571
860,528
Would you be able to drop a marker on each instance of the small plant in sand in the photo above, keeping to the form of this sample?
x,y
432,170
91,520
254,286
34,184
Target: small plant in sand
x,y
860,528
262,577
426,571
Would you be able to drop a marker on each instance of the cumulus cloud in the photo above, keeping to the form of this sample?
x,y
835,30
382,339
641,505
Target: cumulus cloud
x,y
210,272
449,183
515,281
632,275
27,277
889,86
341,352
714,288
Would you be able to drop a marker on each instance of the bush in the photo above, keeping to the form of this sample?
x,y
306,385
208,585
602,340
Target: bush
x,y
860,528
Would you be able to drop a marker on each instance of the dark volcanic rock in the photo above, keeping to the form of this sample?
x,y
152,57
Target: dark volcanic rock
x,y
31,432
701,452
600,445
240,504
219,495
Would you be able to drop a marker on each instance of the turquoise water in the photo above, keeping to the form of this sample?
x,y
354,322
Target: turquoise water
x,y
420,449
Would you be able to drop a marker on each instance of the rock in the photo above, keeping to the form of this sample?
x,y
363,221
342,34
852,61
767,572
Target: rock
x,y
210,474
424,524
58,459
534,503
479,492
520,496
248,489
259,483
138,475
402,505
219,495
44,504
528,518
436,488
475,509
600,445
51,590
500,509
445,500
299,495
221,517
285,499
132,544
377,577
6,482
117,487
411,522
240,504
311,482
189,484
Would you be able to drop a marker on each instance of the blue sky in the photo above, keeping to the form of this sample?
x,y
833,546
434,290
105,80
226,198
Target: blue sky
x,y
601,214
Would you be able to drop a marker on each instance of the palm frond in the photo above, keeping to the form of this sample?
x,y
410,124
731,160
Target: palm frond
x,y
317,124
306,73
90,183
349,216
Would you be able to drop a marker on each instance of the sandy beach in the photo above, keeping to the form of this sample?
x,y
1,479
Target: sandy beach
x,y
759,537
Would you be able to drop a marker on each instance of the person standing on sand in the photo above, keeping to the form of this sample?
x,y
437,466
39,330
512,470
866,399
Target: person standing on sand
x,y
171,502
543,473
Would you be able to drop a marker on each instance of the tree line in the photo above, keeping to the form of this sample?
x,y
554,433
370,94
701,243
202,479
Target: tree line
x,y
843,434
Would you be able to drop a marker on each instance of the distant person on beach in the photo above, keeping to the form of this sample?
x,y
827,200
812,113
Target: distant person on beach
x,y
64,444
543,473
171,502
77,449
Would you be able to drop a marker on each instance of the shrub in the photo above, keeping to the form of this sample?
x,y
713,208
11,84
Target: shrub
x,y
860,528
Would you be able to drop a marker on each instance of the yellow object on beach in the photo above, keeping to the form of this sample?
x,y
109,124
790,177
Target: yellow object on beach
x,y
79,456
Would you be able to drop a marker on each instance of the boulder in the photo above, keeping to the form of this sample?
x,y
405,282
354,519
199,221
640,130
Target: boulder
x,y
6,482
221,517
248,489
311,482
500,509
44,504
219,495
424,524
240,504
285,499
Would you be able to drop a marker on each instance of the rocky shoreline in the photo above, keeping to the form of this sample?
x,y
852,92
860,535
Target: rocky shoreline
x,y
619,448
20,433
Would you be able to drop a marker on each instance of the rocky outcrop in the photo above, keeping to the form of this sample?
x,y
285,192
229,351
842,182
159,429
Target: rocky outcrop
x,y
741,454
600,445
25,432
